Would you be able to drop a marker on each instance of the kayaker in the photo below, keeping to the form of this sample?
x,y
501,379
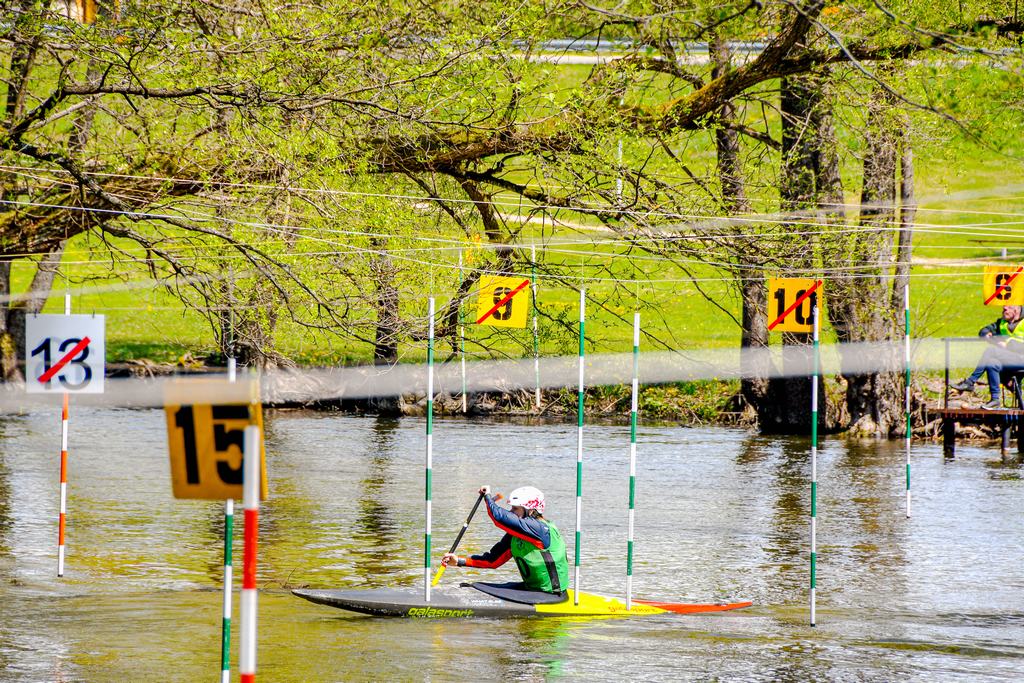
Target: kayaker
x,y
532,541
1005,356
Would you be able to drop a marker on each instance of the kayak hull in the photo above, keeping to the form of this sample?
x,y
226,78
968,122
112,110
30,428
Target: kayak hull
x,y
467,602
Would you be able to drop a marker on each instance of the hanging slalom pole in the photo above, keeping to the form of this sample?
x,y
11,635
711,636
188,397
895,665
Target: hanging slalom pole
x,y
430,449
462,341
225,631
906,379
62,514
229,530
251,502
536,336
579,455
618,159
632,459
814,460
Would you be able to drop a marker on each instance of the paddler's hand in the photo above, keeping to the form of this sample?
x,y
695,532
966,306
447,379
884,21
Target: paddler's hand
x,y
485,490
450,560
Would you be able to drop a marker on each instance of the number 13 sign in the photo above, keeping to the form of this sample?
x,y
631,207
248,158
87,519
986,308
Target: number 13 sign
x,y
64,353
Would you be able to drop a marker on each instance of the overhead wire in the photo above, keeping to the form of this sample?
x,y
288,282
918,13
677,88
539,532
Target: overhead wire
x,y
827,228
288,230
776,217
27,170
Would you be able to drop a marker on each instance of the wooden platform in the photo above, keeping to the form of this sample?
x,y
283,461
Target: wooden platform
x,y
1007,421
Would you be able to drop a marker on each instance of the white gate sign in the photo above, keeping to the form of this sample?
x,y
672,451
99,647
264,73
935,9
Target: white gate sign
x,y
64,353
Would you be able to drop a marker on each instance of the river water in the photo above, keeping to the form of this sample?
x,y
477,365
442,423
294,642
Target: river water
x,y
721,514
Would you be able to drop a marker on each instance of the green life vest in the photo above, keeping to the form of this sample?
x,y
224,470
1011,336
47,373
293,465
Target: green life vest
x,y
1016,336
543,570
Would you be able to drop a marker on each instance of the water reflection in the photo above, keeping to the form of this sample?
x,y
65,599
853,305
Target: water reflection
x,y
539,649
1010,468
5,495
375,532
872,477
721,513
789,484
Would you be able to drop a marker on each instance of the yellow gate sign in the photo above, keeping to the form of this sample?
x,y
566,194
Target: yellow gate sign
x,y
1003,286
504,301
206,421
790,302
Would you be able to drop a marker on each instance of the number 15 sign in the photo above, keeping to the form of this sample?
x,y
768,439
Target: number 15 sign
x,y
64,353
206,421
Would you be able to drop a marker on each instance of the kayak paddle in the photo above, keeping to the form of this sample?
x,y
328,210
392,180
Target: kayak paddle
x,y
458,539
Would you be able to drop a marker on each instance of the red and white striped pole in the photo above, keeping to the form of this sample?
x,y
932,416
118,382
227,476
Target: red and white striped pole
x,y
62,515
251,503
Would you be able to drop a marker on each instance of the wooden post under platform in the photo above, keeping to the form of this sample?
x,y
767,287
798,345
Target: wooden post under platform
x,y
1007,421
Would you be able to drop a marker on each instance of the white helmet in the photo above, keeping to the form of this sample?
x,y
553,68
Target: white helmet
x,y
527,497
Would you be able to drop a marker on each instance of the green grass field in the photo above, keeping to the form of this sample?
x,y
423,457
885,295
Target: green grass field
x,y
971,196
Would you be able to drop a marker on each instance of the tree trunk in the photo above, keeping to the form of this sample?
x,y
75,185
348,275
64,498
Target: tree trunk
x,y
754,386
385,347
385,303
749,276
863,299
12,314
8,344
788,408
908,211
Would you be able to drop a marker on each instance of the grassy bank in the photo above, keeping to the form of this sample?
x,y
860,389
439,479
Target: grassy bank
x,y
969,199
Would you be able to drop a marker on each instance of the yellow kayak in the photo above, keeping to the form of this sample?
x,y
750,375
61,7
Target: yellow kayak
x,y
497,600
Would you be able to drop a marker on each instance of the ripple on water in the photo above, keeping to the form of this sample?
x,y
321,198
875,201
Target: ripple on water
x,y
720,514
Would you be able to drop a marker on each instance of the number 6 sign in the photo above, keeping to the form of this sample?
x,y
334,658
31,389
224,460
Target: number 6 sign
x,y
1003,286
64,353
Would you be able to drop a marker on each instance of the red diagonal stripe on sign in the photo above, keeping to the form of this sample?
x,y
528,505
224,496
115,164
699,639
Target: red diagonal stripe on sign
x,y
504,301
1003,286
56,367
793,306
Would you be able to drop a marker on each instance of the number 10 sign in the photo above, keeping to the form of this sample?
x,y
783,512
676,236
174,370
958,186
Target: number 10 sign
x,y
64,353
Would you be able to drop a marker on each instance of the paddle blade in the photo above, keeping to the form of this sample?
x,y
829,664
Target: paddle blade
x,y
685,608
438,575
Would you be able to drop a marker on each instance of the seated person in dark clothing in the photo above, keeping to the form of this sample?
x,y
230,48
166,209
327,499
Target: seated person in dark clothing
x,y
1005,355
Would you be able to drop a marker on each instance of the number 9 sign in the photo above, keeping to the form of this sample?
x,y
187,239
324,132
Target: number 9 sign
x,y
64,354
504,301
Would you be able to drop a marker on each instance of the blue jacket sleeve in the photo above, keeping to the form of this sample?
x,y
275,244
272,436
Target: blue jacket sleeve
x,y
530,530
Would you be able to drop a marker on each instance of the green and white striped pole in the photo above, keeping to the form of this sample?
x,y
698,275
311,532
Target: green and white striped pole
x,y
579,455
229,530
906,380
536,336
814,461
462,340
225,631
430,449
632,459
